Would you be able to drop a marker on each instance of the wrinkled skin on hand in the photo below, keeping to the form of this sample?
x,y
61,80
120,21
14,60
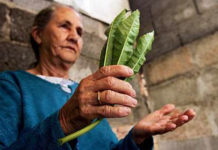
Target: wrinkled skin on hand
x,y
83,107
161,121
117,99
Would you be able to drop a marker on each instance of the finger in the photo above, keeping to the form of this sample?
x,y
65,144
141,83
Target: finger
x,y
113,70
108,111
163,128
112,83
184,117
164,119
175,114
190,113
158,129
111,97
166,109
170,126
180,120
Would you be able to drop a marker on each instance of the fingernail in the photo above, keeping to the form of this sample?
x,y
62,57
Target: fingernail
x,y
134,103
130,71
126,110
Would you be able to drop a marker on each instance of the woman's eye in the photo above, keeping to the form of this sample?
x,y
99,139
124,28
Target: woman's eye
x,y
79,31
65,26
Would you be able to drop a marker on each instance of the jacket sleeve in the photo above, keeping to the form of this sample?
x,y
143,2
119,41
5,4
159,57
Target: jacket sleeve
x,y
129,144
43,136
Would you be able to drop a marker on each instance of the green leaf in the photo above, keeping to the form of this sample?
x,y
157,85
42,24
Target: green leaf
x,y
102,57
138,58
106,53
125,37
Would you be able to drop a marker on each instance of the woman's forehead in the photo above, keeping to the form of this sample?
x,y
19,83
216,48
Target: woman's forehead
x,y
67,13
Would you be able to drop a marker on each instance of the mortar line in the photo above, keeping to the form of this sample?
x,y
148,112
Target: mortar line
x,y
196,7
180,39
213,123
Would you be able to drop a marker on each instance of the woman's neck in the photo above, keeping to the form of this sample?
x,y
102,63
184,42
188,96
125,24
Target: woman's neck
x,y
61,71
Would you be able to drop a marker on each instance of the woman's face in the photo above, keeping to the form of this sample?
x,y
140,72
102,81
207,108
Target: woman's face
x,y
61,39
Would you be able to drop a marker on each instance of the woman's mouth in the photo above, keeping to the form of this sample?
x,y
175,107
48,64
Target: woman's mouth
x,y
70,48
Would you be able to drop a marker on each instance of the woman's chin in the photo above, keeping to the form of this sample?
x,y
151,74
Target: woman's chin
x,y
69,60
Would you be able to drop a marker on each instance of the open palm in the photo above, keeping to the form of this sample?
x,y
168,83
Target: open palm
x,y
166,119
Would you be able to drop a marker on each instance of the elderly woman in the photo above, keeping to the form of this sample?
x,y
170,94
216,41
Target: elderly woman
x,y
40,105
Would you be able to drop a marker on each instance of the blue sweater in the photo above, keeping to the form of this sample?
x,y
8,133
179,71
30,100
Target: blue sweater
x,y
29,109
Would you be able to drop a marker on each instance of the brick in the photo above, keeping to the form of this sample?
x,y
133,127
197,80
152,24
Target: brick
x,y
199,127
205,51
3,20
21,23
134,4
82,68
214,118
158,7
205,5
198,26
145,15
92,45
14,56
94,27
163,44
208,83
213,142
168,13
168,66
195,144
33,5
145,20
3,12
180,91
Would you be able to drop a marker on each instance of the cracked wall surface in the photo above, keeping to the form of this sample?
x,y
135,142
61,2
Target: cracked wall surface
x,y
182,67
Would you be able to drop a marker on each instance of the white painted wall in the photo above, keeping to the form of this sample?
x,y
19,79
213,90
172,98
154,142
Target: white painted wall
x,y
104,10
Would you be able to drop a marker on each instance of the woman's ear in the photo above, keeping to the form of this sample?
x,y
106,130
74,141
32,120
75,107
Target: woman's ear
x,y
36,35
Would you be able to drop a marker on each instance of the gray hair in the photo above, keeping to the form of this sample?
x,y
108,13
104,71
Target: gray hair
x,y
40,21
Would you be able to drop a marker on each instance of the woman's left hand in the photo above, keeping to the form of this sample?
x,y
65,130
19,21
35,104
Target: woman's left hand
x,y
166,119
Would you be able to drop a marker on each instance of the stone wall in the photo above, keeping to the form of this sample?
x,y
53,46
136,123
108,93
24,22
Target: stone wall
x,y
183,67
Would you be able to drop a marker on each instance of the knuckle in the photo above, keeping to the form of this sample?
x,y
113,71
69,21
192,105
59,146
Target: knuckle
x,y
124,100
108,95
104,70
119,110
84,85
106,111
109,81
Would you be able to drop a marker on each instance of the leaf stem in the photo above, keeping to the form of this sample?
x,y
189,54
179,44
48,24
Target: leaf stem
x,y
72,136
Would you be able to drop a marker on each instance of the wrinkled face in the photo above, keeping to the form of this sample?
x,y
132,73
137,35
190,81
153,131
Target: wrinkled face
x,y
61,38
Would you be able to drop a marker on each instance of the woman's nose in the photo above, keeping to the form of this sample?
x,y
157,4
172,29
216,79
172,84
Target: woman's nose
x,y
73,36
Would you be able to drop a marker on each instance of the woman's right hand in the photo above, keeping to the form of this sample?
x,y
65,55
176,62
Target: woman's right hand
x,y
116,98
